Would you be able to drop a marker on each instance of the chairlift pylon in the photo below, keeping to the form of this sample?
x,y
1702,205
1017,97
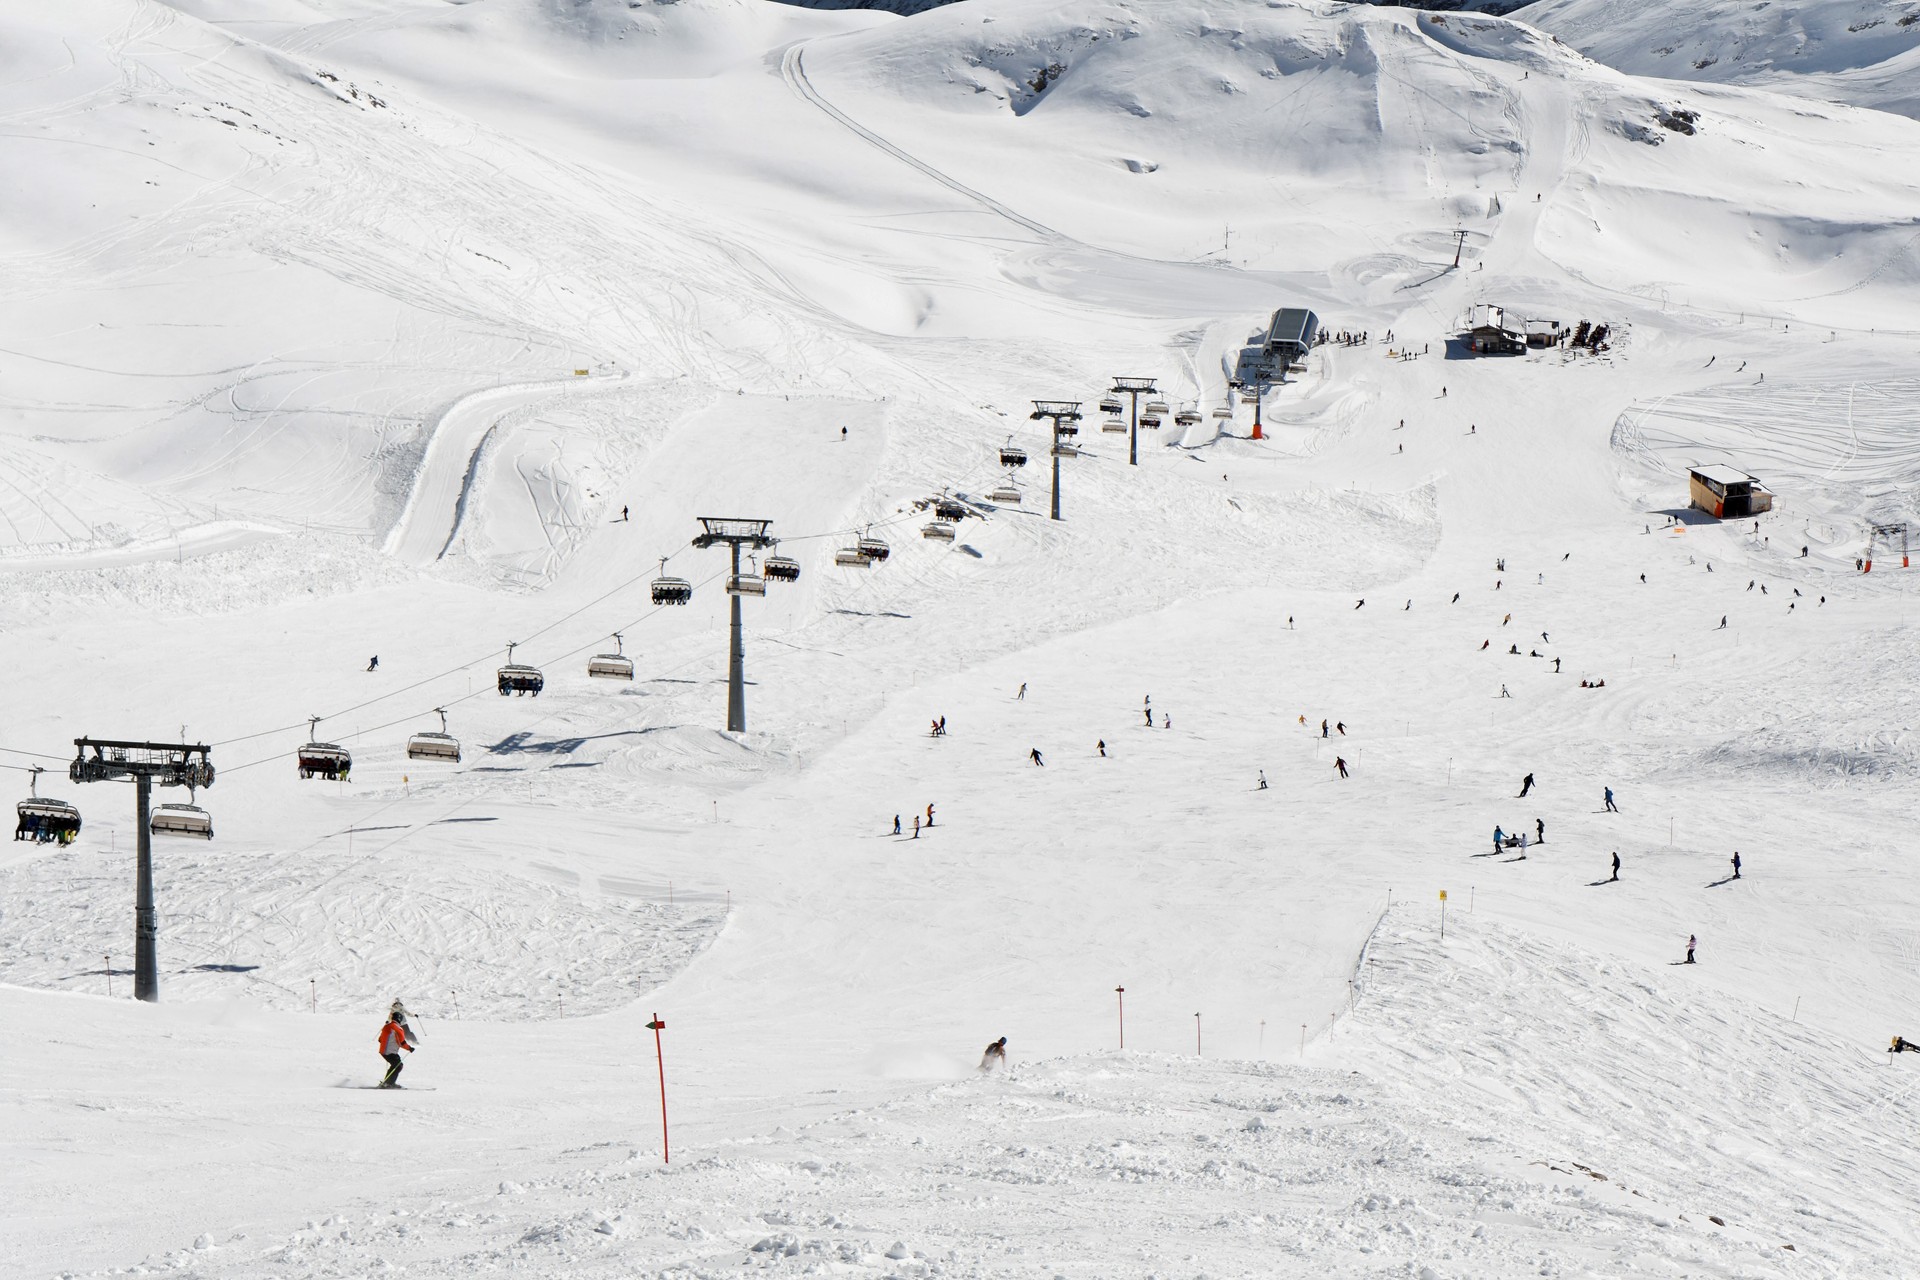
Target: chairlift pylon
x,y
671,590
519,678
612,666
428,745
45,820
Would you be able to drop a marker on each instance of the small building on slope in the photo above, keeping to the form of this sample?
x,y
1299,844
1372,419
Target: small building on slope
x,y
1726,493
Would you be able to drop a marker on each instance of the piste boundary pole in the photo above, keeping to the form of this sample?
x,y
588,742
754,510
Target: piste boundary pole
x,y
659,1056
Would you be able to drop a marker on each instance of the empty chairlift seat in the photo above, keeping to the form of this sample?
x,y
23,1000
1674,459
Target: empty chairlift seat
x,y
852,557
746,584
431,745
181,820
1224,411
1007,494
1114,426
1158,408
938,531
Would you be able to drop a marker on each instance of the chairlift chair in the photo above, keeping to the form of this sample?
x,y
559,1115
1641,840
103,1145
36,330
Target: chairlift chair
x,y
1224,411
1114,426
1012,455
1111,405
1158,408
1151,421
950,509
519,678
1249,397
938,531
174,819
1005,494
45,821
612,666
873,548
671,590
746,584
428,745
852,557
327,760
781,569
1187,418
1066,451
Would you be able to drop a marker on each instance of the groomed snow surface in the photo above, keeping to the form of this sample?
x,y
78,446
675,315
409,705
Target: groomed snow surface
x,y
337,328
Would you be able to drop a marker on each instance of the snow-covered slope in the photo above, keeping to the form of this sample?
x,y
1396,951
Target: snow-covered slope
x,y
1864,52
343,328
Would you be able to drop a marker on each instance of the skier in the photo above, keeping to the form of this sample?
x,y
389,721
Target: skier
x,y
1038,762
374,664
1484,645
1539,831
1723,622
1341,727
1616,867
1526,785
1341,765
624,517
1361,603
916,826
1456,598
1022,695
1503,689
896,824
1523,846
1102,744
1263,781
1499,838
1610,805
1323,728
1736,864
929,815
995,1056
1149,714
1556,666
1504,621
1903,1045
394,1037
1692,942
1166,721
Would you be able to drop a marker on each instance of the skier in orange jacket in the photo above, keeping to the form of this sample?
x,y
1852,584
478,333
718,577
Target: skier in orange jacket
x,y
393,1038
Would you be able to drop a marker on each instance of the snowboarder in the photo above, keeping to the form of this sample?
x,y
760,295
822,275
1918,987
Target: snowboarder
x,y
1692,942
995,1056
1539,831
1102,744
1526,785
1341,765
1616,867
1038,762
1022,695
1610,805
1263,781
394,1037
374,663
1736,864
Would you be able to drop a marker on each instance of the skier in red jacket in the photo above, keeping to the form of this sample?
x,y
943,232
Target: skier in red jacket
x,y
393,1038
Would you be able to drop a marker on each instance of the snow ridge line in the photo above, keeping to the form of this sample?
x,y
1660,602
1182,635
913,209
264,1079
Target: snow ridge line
x,y
1360,961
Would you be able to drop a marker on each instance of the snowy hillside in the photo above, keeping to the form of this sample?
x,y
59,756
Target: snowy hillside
x,y
344,330
1864,52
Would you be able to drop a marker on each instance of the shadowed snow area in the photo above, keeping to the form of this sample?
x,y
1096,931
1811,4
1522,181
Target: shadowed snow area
x,y
353,349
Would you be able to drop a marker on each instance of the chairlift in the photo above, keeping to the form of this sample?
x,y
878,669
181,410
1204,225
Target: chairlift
x,y
518,677
938,531
1066,451
852,557
1005,494
428,745
749,583
1111,405
1012,455
174,819
1114,426
670,590
871,547
612,666
45,821
1187,418
1158,408
781,569
1224,411
1151,421
327,760
950,509
1249,397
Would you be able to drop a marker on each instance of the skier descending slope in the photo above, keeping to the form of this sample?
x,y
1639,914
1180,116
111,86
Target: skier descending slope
x,y
394,1037
995,1056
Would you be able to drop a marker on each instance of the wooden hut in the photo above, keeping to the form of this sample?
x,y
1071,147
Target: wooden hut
x,y
1727,494
1489,332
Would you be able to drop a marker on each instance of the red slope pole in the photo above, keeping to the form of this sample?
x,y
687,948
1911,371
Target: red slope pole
x,y
657,1026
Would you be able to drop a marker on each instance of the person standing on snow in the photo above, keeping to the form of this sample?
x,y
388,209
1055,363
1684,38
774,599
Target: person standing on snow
x,y
896,824
1692,942
1022,695
374,664
1499,838
1526,785
393,1038
1323,728
1736,864
1539,831
1263,781
1616,867
1610,805
929,815
1102,744
995,1056
916,826
1148,711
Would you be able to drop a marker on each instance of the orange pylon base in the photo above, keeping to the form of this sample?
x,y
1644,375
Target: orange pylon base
x,y
1256,432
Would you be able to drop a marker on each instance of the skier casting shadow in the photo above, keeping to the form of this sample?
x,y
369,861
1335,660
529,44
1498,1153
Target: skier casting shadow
x,y
394,1037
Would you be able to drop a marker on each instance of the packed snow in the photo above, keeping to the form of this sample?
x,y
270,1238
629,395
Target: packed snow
x,y
343,330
